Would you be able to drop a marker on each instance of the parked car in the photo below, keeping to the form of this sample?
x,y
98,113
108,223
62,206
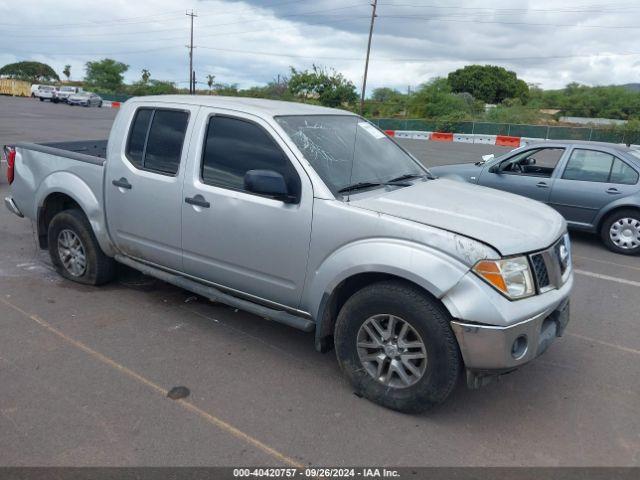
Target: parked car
x,y
314,218
47,92
594,185
34,90
66,91
85,99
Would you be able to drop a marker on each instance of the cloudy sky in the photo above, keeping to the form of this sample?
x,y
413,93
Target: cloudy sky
x,y
250,42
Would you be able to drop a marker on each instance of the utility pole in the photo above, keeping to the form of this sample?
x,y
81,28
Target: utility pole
x,y
192,87
374,5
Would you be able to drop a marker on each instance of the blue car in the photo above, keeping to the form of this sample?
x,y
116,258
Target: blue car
x,y
593,185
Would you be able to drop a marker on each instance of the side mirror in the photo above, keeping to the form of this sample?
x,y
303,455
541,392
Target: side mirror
x,y
269,183
496,168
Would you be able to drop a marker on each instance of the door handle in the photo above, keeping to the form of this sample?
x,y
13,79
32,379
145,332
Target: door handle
x,y
198,201
542,185
122,183
613,191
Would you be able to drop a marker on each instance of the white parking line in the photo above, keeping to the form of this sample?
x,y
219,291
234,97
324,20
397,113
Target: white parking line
x,y
605,262
606,344
607,277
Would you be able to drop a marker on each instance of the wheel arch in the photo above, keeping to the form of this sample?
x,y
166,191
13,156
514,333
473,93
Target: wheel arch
x,y
63,190
604,216
333,301
349,269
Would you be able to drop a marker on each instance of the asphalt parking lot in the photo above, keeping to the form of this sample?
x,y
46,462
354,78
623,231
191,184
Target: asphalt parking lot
x,y
84,372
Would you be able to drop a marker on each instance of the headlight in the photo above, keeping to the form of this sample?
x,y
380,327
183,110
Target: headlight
x,y
511,276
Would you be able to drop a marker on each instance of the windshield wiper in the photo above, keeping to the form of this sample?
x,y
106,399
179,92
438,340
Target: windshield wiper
x,y
406,176
359,186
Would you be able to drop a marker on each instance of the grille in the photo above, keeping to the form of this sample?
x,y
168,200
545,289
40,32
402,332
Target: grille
x,y
540,271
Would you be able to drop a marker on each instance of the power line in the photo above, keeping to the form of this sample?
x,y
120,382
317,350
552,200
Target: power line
x,y
496,22
594,8
147,32
173,13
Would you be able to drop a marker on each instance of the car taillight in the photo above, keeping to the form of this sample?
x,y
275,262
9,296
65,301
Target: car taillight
x,y
10,154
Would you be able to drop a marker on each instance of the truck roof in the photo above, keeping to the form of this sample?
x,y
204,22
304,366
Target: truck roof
x,y
258,106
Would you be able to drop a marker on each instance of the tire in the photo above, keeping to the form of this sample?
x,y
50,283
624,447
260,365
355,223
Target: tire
x,y
100,104
441,363
63,229
620,232
41,99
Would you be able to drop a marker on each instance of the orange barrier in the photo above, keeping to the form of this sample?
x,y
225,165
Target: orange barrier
x,y
115,104
506,141
391,133
441,137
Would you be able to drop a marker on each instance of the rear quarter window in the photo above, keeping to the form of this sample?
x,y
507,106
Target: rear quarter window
x,y
623,173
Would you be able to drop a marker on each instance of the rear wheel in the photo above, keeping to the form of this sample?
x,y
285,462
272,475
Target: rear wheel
x,y
75,252
41,99
620,232
395,344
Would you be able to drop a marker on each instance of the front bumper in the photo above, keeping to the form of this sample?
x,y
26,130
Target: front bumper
x,y
493,348
12,207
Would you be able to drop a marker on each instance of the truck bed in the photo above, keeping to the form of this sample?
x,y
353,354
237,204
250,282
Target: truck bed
x,y
93,148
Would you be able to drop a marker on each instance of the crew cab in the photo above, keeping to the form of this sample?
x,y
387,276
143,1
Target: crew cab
x,y
314,218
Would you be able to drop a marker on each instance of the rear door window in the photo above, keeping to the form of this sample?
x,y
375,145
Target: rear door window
x,y
588,166
156,139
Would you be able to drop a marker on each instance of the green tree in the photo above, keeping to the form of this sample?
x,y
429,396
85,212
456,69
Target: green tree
x,y
436,100
146,75
327,87
488,83
210,81
152,87
67,72
385,102
105,75
30,71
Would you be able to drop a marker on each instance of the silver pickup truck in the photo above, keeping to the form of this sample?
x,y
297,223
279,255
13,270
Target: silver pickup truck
x,y
311,217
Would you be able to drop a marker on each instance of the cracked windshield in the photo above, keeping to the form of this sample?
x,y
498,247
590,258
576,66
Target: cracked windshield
x,y
349,153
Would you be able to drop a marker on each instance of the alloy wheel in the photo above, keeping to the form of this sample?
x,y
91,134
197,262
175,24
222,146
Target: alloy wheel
x,y
391,351
72,253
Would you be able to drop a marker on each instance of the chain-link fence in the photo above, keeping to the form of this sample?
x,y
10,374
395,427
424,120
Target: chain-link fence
x,y
611,135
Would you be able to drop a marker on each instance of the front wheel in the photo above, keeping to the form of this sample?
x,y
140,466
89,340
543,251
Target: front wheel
x,y
75,252
395,344
620,232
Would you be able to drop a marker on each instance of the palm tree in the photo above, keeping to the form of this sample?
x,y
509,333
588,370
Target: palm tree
x,y
210,80
145,75
67,72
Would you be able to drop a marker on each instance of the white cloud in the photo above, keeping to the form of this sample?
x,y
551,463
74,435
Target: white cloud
x,y
331,33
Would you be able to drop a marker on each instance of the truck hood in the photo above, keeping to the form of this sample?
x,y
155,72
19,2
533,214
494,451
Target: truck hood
x,y
509,223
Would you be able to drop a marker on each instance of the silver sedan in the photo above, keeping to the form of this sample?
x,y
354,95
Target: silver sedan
x,y
86,99
593,185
